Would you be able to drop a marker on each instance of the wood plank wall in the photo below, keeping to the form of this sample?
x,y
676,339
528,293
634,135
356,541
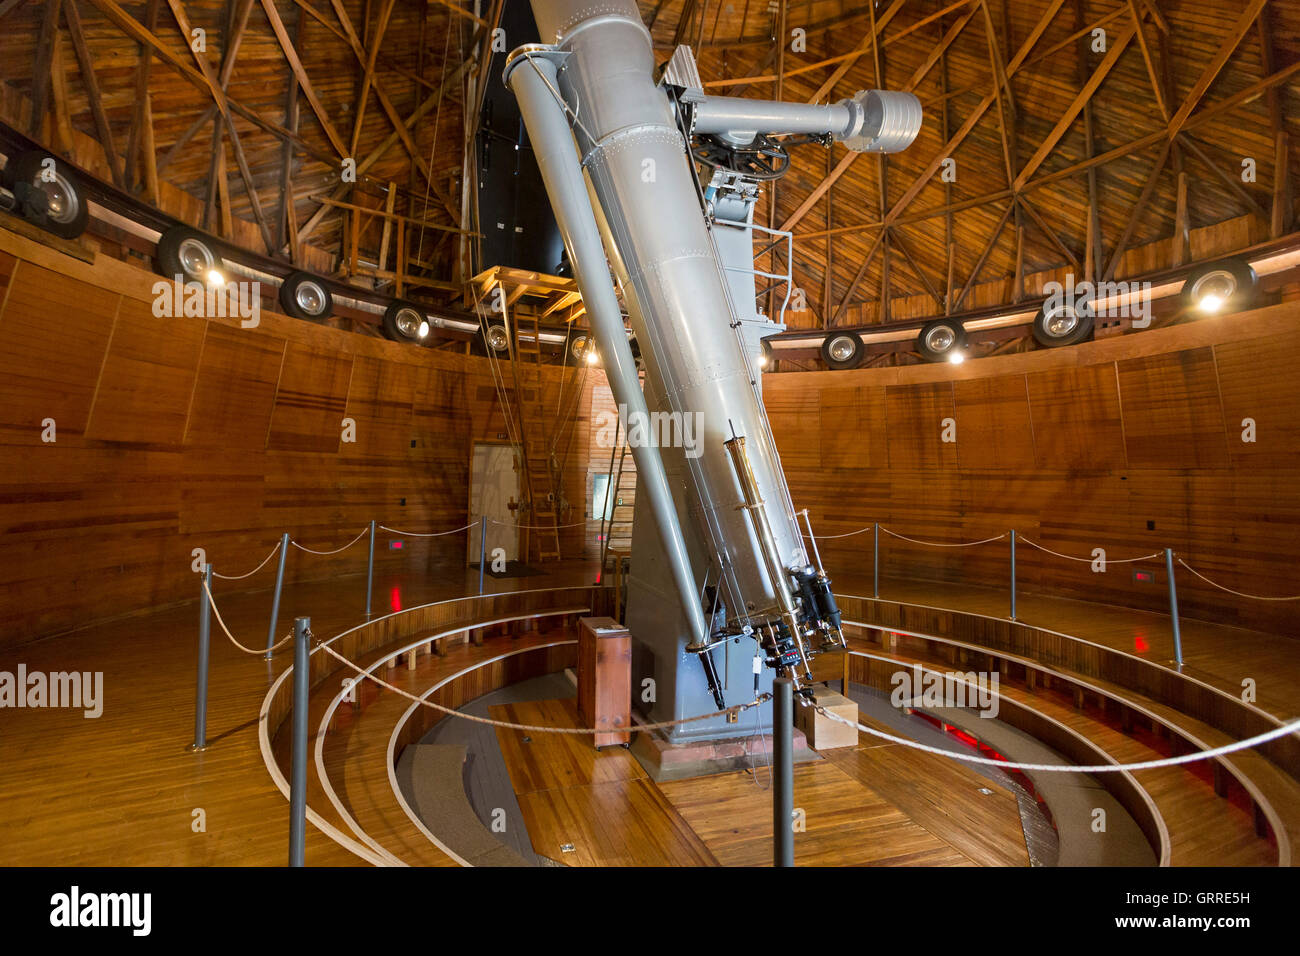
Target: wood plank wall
x,y
1130,444
182,433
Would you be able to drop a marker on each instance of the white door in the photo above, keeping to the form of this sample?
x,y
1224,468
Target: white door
x,y
494,483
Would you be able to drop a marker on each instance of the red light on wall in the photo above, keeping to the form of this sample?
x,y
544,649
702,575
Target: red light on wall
x,y
1143,577
394,546
1140,643
395,599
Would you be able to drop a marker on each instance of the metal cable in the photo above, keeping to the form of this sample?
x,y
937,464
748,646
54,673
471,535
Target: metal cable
x,y
300,547
1253,597
240,577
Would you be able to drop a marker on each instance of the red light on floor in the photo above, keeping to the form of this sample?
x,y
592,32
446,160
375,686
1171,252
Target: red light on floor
x,y
1140,643
395,599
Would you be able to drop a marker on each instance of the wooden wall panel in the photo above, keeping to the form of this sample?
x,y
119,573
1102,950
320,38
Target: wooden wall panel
x,y
1260,380
53,336
916,416
1131,445
994,427
1076,418
852,428
311,400
148,378
235,391
206,435
1172,415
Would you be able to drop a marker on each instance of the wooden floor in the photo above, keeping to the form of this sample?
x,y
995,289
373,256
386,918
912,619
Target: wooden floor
x,y
122,790
1220,655
590,808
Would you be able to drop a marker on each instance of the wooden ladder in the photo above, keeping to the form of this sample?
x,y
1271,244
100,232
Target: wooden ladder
x,y
539,471
616,530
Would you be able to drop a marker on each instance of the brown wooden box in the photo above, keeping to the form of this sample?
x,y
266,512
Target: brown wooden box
x,y
822,732
605,678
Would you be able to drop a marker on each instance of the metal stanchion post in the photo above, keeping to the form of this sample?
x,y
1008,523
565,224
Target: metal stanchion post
x,y
275,598
782,772
1173,606
482,549
201,692
875,560
1013,574
298,766
370,568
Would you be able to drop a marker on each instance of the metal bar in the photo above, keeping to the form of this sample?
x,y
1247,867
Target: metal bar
x,y
782,772
275,598
298,767
1013,574
875,560
482,549
1173,606
201,692
370,568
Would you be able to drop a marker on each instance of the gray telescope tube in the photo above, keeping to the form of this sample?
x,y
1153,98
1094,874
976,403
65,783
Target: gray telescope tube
x,y
553,146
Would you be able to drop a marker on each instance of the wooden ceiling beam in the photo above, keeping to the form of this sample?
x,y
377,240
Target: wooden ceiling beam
x,y
368,76
1156,86
308,91
134,138
849,158
72,17
1117,48
984,257
45,41
868,43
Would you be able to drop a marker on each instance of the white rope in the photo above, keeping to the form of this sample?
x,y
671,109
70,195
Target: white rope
x,y
212,603
943,544
538,728
829,537
538,527
364,532
1253,597
1070,557
426,534
240,577
1067,768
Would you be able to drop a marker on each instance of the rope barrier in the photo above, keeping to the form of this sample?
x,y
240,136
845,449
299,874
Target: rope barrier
x,y
426,534
240,577
1070,557
538,527
1070,768
831,537
212,602
364,532
1253,597
536,728
943,544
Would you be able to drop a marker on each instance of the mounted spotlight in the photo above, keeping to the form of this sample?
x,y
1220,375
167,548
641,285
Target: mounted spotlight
x,y
304,296
405,322
188,253
1062,323
579,347
842,350
48,193
1218,287
498,339
940,339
